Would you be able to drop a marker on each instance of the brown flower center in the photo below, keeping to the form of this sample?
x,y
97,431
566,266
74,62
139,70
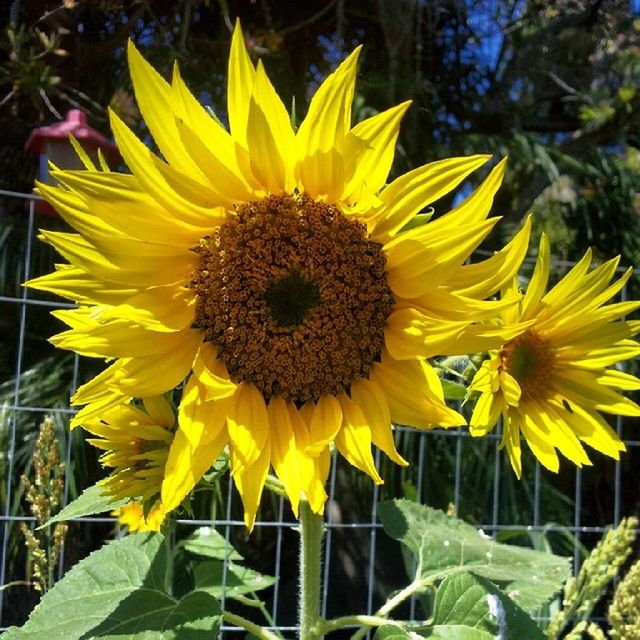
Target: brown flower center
x,y
530,360
294,296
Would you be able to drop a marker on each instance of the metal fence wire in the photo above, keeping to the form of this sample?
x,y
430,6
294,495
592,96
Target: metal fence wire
x,y
362,566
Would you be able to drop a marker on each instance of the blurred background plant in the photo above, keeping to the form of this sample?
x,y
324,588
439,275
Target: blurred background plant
x,y
44,494
552,84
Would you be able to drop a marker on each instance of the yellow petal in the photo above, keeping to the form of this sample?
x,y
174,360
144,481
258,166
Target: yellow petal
x,y
368,395
81,287
96,408
100,387
369,150
478,338
250,482
411,399
485,414
410,334
540,443
354,439
313,474
222,169
75,212
145,219
329,116
594,430
114,338
212,373
510,388
607,356
475,207
418,260
270,138
248,425
417,189
241,80
198,441
325,423
619,379
192,201
154,376
155,99
128,262
159,410
511,440
284,450
487,379
320,138
210,144
582,388
560,434
485,278
442,302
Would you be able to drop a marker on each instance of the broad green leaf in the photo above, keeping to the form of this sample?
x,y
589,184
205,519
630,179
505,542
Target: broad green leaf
x,y
391,632
210,576
206,541
88,503
472,601
119,592
443,546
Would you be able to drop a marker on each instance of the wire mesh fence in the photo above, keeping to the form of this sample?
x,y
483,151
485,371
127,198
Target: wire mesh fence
x,y
448,469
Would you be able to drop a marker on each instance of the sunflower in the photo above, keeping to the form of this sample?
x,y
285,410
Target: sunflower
x,y
136,443
551,382
273,269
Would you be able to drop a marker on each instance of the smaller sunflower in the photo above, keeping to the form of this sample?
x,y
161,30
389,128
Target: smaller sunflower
x,y
136,444
551,382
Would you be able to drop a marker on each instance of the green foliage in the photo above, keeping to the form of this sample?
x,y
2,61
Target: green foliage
x,y
444,546
91,501
120,592
464,599
204,558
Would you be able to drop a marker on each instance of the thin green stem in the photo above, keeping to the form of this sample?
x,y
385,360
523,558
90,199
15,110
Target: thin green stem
x,y
249,626
352,621
273,484
390,605
402,595
311,530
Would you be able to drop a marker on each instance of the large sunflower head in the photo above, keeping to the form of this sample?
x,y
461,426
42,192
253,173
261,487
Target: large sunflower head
x,y
551,382
275,270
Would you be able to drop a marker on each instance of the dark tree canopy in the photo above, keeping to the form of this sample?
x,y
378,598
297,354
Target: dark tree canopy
x,y
552,84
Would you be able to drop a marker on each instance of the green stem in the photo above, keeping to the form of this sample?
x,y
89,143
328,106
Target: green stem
x,y
416,586
363,621
311,530
249,626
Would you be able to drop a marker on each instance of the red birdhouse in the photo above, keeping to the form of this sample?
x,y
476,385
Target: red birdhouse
x,y
51,143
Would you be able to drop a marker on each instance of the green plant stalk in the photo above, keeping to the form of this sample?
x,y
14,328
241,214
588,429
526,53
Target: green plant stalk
x,y
311,530
247,625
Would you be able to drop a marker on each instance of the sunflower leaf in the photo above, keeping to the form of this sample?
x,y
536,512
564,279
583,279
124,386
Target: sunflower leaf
x,y
91,501
206,541
444,546
391,632
119,592
210,576
472,601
